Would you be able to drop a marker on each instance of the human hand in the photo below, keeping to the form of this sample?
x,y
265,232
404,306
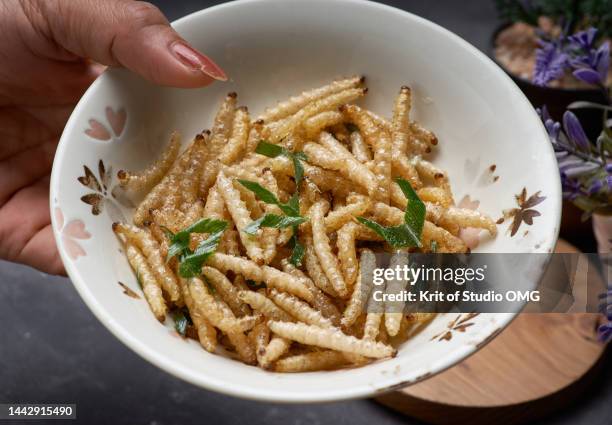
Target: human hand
x,y
50,51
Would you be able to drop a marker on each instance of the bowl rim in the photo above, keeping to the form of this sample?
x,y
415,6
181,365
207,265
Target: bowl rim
x,y
357,391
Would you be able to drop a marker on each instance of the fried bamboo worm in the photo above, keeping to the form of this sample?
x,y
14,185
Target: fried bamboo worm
x,y
323,250
315,271
227,291
361,291
255,136
222,125
330,102
435,195
155,198
453,217
352,170
347,255
320,301
182,179
238,339
269,235
151,250
326,180
295,103
382,167
356,205
429,171
400,134
207,334
318,360
264,305
316,123
394,309
299,309
210,308
150,286
241,216
330,338
238,140
260,337
275,349
272,277
190,179
371,328
152,175
380,142
360,148
423,135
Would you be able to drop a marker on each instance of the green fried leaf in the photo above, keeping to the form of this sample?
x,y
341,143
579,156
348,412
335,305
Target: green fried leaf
x,y
397,236
270,150
273,220
191,264
414,215
297,253
180,241
300,155
176,249
261,192
298,169
204,225
181,321
292,207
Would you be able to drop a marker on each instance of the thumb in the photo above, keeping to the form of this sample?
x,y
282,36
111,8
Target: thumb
x,y
132,34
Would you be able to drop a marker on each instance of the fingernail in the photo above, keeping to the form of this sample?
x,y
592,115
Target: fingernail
x,y
197,61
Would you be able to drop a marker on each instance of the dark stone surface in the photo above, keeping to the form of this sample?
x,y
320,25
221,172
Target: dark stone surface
x,y
52,349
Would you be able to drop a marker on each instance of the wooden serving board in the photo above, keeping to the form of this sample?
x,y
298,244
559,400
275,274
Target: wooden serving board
x,y
536,365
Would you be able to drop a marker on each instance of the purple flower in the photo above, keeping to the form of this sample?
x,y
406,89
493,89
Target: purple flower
x,y
604,332
595,187
593,67
609,168
590,64
588,76
583,39
551,62
552,127
571,187
574,131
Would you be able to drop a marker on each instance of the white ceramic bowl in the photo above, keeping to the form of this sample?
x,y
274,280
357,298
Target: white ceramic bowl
x,y
271,49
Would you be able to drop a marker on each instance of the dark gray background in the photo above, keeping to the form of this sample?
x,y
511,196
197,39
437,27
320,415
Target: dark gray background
x,y
52,349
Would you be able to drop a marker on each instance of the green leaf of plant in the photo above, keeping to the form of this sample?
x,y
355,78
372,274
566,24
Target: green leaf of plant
x,y
191,264
181,321
180,241
273,220
434,246
261,192
269,149
204,225
292,207
414,215
297,253
397,236
176,249
298,169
